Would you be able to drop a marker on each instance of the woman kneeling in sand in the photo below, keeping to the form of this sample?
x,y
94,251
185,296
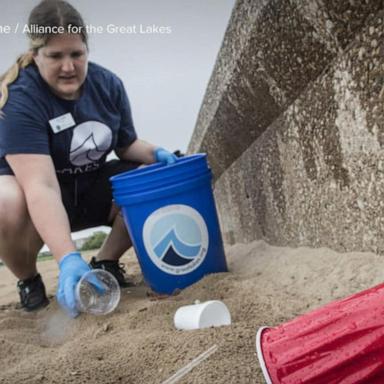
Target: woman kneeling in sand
x,y
60,117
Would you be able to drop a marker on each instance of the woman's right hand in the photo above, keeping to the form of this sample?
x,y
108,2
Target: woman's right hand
x,y
72,268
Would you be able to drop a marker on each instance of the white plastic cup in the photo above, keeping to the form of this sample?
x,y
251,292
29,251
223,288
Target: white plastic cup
x,y
97,292
213,313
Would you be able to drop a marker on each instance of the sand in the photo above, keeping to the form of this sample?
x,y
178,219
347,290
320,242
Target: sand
x,y
138,343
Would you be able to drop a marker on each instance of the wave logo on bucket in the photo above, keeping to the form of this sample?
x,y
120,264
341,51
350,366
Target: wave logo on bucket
x,y
176,239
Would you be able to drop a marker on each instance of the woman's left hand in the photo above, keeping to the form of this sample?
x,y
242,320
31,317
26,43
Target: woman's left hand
x,y
163,156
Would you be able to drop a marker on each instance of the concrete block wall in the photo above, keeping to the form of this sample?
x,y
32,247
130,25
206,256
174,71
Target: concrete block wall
x,y
292,122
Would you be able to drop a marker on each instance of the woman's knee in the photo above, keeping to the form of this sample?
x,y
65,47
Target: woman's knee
x,y
13,207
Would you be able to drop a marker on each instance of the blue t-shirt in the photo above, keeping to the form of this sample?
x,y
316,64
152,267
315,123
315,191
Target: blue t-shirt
x,y
77,134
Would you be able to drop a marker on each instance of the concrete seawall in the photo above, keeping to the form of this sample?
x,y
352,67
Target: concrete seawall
x,y
292,122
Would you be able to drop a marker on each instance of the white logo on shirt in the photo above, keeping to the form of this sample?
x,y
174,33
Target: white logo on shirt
x,y
90,141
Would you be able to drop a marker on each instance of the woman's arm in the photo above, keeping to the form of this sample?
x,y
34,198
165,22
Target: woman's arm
x,y
139,151
145,153
37,177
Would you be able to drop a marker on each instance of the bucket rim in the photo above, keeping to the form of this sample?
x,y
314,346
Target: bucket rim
x,y
154,167
135,198
260,356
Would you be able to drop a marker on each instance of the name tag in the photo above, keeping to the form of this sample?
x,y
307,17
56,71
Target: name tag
x,y
62,123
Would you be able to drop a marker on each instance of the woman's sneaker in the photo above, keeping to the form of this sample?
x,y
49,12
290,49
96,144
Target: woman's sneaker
x,y
32,293
113,267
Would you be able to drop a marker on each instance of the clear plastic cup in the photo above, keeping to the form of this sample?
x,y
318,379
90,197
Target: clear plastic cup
x,y
97,292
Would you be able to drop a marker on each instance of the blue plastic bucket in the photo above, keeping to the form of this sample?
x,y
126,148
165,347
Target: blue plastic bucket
x,y
171,217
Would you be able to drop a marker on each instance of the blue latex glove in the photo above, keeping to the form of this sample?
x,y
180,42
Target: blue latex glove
x,y
164,156
72,268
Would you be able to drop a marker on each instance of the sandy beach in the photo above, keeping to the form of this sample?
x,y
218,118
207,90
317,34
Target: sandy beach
x,y
138,343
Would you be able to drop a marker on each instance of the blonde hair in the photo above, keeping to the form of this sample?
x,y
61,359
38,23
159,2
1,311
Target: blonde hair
x,y
12,74
47,13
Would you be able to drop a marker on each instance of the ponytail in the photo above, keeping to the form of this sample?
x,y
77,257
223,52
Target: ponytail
x,y
12,74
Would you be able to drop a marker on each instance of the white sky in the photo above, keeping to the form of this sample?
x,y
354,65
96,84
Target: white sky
x,y
165,75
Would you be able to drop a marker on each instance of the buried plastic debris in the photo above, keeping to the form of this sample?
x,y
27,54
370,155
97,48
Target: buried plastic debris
x,y
183,371
213,313
340,342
